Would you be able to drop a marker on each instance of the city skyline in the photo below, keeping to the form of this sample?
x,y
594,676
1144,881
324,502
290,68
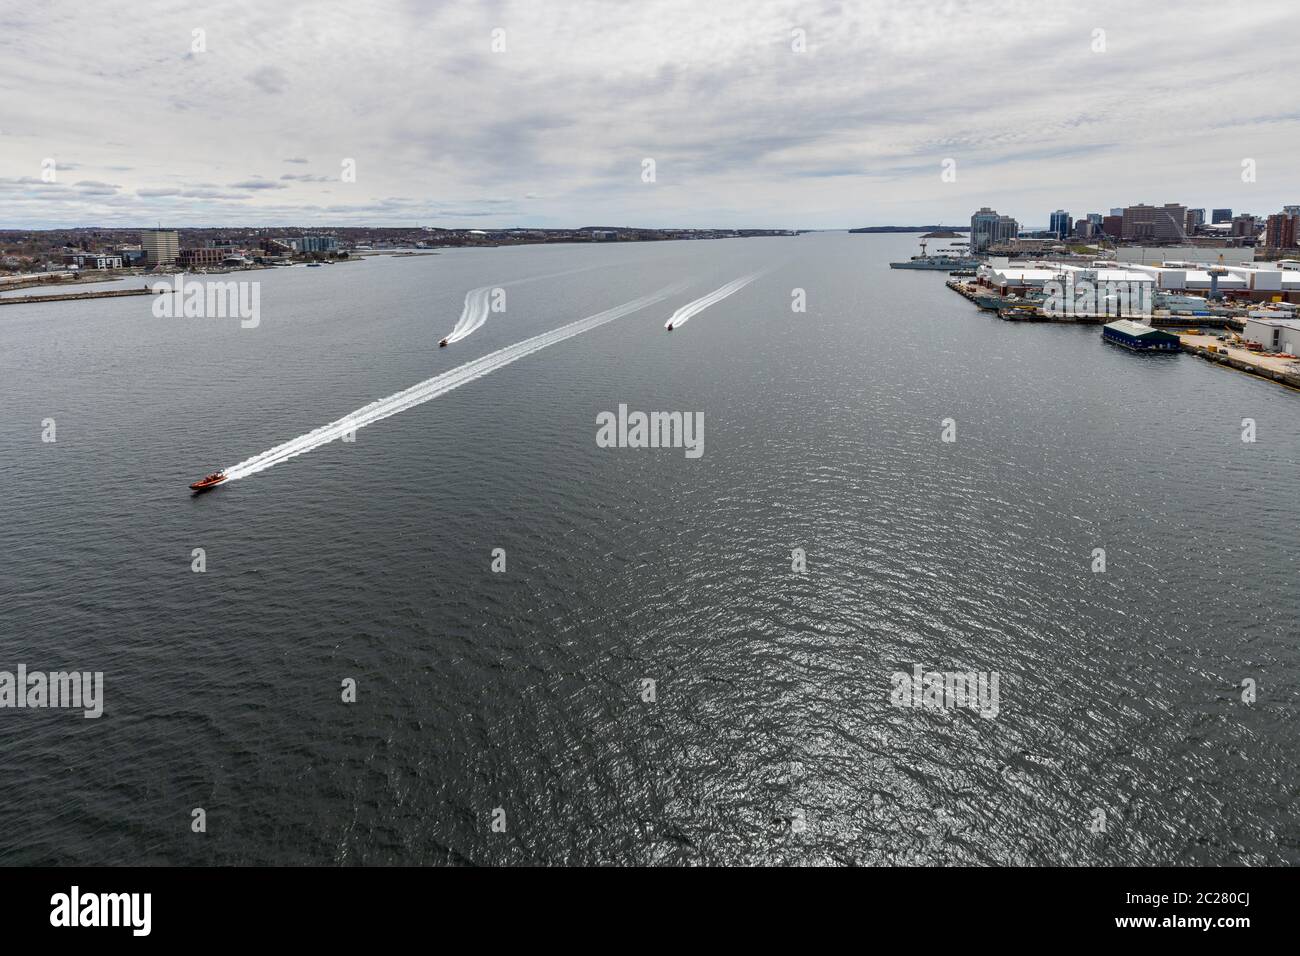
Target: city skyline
x,y
816,118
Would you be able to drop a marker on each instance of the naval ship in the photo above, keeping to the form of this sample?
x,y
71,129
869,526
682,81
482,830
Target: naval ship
x,y
946,260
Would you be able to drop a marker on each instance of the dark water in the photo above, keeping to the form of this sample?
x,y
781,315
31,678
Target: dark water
x,y
772,739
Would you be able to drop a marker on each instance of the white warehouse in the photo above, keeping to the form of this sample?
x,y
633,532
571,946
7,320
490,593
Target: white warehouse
x,y
1274,335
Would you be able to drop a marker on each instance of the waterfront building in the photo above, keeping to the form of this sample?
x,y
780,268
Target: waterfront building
x,y
318,244
1195,220
1221,215
1273,335
1113,226
161,246
1031,278
1139,337
93,260
207,258
1155,222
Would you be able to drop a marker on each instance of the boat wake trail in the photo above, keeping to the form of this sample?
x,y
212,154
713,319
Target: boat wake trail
x,y
703,302
478,301
473,315
439,385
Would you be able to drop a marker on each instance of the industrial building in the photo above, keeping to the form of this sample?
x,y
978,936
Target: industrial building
x,y
1019,279
1256,282
1139,337
1273,334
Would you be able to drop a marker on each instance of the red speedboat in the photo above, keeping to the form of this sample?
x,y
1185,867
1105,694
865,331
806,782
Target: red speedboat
x,y
212,480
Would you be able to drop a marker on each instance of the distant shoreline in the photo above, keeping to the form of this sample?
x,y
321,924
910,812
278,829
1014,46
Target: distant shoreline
x,y
911,229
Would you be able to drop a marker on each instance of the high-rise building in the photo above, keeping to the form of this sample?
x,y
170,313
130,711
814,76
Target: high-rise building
x,y
1283,229
1221,215
1195,219
1061,224
1117,211
1113,226
987,228
983,229
1095,218
1245,226
161,246
1144,222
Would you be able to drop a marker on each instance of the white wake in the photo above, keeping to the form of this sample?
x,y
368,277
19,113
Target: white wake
x,y
478,302
439,385
473,315
682,315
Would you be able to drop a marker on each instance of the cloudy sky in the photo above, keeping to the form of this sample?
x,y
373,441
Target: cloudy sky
x,y
749,121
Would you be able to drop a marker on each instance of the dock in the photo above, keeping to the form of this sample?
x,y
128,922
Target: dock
x,y
1208,347
1024,311
69,296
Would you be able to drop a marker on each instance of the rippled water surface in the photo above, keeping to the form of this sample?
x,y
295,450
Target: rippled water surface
x,y
772,738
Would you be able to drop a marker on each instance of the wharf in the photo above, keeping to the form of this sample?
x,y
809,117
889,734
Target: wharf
x,y
67,296
1285,371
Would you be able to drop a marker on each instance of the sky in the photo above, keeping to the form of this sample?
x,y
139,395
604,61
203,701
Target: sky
x,y
543,113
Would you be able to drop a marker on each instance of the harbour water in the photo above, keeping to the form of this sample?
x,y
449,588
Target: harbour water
x,y
771,736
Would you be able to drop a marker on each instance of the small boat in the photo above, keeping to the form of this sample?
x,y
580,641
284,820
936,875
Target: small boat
x,y
203,484
670,326
313,265
442,344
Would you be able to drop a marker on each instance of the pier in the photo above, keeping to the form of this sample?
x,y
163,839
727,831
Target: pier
x,y
68,296
1208,347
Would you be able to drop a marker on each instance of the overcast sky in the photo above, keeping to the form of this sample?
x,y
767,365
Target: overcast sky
x,y
744,129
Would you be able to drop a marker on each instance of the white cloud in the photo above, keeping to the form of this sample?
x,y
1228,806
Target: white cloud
x,y
744,130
